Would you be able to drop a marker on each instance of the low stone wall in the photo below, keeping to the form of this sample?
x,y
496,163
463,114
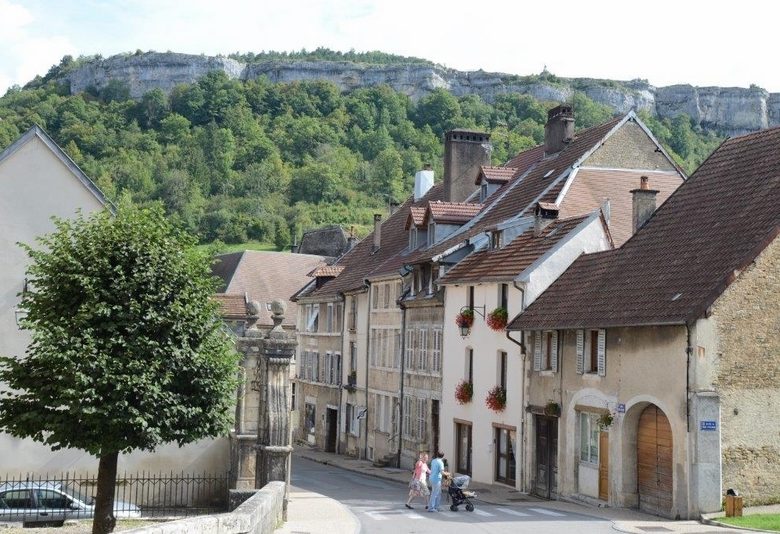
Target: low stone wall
x,y
259,514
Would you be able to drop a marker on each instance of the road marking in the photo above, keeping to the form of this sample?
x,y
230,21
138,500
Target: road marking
x,y
376,516
544,511
412,515
513,512
482,513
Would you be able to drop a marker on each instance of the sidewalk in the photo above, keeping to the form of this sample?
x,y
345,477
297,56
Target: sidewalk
x,y
623,519
313,513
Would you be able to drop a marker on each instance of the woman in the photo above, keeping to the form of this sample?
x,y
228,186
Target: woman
x,y
418,487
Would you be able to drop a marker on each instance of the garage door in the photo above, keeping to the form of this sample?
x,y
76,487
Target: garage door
x,y
654,462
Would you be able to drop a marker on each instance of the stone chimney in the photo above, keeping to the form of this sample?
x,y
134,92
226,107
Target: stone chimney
x,y
559,129
465,151
544,214
643,204
423,181
351,239
377,232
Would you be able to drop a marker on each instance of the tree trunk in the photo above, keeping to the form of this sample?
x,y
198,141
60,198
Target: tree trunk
x,y
104,521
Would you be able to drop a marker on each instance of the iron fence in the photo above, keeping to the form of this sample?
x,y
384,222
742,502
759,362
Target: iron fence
x,y
53,499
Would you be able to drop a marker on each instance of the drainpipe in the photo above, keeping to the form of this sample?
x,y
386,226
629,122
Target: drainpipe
x,y
688,354
368,350
339,418
523,416
401,394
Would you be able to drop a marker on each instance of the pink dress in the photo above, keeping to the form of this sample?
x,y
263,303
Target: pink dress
x,y
419,484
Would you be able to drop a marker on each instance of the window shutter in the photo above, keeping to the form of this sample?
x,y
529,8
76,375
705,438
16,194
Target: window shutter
x,y
602,354
580,352
538,350
554,351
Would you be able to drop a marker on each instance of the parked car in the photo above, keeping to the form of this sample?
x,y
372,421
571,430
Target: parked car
x,y
49,502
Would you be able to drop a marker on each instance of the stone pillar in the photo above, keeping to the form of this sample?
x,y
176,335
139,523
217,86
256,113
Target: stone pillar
x,y
274,434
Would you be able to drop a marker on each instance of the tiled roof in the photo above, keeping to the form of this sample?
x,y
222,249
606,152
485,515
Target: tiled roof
x,y
506,263
593,186
231,306
416,216
326,270
495,175
265,276
541,181
450,212
526,158
360,263
685,256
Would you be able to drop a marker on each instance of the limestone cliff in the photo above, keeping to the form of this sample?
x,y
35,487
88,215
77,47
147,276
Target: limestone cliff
x,y
728,110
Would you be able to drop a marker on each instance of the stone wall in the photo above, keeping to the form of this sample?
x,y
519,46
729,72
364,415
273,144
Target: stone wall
x,y
629,148
747,377
260,514
732,110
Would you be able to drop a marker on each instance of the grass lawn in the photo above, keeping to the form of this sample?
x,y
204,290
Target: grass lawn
x,y
240,247
769,522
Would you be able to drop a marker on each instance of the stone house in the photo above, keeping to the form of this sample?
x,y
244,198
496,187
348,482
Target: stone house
x,y
574,174
665,391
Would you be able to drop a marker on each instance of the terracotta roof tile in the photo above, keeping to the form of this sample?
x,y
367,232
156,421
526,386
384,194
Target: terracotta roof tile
x,y
265,276
685,256
451,212
326,270
231,306
416,216
508,262
495,175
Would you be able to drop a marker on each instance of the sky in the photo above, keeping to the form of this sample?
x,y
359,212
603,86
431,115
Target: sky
x,y
665,42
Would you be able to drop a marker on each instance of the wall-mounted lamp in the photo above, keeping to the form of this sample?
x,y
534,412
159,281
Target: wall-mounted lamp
x,y
465,318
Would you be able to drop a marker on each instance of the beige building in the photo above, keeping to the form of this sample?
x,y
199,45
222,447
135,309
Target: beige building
x,y
664,392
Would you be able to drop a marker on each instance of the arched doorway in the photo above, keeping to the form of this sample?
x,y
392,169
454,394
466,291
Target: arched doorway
x,y
654,462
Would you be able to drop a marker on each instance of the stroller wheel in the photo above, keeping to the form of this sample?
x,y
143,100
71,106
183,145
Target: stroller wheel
x,y
470,507
453,508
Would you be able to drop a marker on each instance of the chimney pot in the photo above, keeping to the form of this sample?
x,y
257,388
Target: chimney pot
x,y
644,182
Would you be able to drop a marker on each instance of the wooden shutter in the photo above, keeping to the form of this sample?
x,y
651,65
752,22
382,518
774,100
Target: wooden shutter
x,y
602,353
538,350
580,352
554,352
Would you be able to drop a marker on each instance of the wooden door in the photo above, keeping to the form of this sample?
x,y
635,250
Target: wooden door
x,y
654,462
333,428
604,466
546,456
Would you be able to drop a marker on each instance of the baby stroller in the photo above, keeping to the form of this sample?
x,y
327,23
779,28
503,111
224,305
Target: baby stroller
x,y
458,494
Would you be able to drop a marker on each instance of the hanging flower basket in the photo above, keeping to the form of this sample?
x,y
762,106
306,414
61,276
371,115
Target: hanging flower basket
x,y
552,409
465,318
605,420
496,399
464,391
497,319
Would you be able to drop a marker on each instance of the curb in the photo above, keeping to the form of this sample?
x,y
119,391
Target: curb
x,y
715,523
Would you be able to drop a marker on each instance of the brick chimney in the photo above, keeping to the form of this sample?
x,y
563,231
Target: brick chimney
x,y
544,214
423,181
465,151
559,129
377,232
643,204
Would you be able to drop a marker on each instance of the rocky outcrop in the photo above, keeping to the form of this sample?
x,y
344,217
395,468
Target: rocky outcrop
x,y
727,110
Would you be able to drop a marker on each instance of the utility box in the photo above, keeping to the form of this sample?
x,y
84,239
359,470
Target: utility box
x,y
733,506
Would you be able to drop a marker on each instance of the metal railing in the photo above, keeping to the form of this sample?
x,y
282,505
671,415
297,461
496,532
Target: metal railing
x,y
53,499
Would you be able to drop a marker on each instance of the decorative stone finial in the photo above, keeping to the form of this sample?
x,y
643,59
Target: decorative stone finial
x,y
278,306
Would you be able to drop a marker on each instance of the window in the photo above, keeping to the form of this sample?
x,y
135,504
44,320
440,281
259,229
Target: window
x,y
589,438
502,369
310,417
397,349
506,442
52,499
353,314
384,413
374,297
386,301
409,356
503,296
546,351
422,349
338,313
483,191
16,499
351,420
352,357
315,366
329,318
470,298
407,421
591,352
421,416
335,369
293,404
312,317
412,238
436,353
431,233
463,448
496,239
470,365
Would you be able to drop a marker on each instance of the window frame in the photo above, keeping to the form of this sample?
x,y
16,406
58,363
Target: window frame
x,y
589,432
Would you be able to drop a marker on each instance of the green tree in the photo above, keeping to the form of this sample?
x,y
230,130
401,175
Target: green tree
x,y
127,348
282,235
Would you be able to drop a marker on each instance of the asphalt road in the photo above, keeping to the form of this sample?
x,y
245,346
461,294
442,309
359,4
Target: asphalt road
x,y
379,506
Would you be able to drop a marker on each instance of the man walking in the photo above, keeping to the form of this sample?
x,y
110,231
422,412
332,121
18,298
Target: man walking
x,y
437,468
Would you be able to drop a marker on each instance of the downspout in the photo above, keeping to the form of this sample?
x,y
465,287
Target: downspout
x,y
401,394
523,356
339,418
688,355
368,350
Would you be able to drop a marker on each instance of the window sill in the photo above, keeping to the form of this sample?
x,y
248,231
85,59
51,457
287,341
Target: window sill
x,y
594,377
547,372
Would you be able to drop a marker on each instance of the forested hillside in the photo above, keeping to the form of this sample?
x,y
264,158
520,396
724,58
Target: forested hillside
x,y
237,161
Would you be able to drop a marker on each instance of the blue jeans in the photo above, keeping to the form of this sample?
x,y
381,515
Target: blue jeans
x,y
435,501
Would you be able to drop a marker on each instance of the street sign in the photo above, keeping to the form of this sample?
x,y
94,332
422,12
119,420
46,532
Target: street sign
x,y
362,413
621,408
708,425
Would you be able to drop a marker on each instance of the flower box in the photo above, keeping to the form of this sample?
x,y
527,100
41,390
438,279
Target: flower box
x,y
464,391
496,399
497,319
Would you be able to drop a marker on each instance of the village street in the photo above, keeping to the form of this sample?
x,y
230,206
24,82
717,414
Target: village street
x,y
378,505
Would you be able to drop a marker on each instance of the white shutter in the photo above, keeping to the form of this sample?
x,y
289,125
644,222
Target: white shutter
x,y
554,352
602,354
580,352
538,350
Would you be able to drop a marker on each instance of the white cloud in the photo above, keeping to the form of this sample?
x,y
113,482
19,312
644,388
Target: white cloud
x,y
22,53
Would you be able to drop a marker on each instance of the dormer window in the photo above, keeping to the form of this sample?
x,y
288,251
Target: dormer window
x,y
412,238
496,239
431,232
483,191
